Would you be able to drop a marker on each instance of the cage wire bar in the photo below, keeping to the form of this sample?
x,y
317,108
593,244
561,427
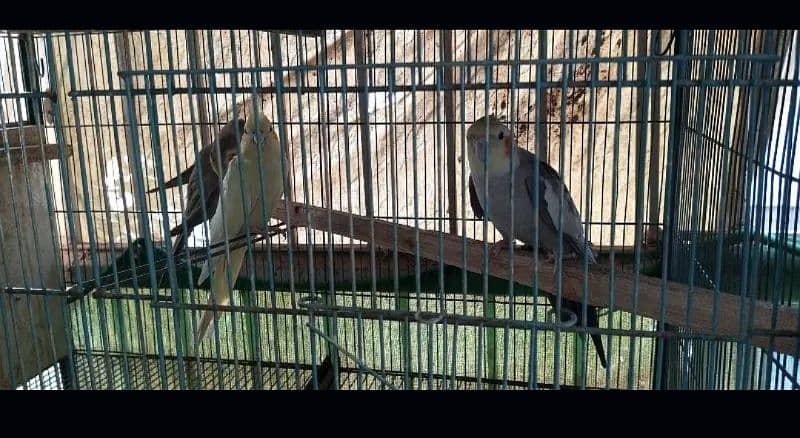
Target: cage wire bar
x,y
678,148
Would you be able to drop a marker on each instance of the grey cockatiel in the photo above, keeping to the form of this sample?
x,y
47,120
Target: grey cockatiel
x,y
230,217
212,175
499,148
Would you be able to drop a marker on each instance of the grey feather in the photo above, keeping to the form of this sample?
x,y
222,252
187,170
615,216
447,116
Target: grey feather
x,y
547,218
550,185
477,210
212,175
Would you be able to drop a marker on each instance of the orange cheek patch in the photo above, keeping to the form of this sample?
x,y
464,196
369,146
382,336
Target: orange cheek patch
x,y
507,144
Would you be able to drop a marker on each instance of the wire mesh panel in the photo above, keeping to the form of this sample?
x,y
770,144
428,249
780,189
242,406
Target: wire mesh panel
x,y
729,236
676,148
33,326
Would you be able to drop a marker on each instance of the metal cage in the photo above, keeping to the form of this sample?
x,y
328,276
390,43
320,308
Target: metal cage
x,y
677,147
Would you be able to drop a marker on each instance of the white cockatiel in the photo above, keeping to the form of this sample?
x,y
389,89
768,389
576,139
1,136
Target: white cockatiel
x,y
258,134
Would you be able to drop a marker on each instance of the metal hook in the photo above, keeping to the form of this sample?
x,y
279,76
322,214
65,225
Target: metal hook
x,y
439,316
308,301
351,356
573,318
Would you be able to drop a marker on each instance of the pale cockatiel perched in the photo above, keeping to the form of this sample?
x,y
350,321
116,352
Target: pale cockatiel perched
x,y
213,172
233,207
500,144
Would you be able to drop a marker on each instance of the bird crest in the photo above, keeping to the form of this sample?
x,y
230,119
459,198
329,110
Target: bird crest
x,y
491,118
264,123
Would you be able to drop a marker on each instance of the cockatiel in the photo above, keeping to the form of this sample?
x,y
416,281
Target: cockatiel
x,y
260,135
499,147
212,176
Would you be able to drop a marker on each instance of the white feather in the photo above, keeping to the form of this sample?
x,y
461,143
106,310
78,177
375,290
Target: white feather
x,y
232,208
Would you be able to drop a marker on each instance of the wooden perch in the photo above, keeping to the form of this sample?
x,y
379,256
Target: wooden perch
x,y
303,33
33,153
32,136
649,293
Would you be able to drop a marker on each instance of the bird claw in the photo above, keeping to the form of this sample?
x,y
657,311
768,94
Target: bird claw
x,y
278,229
272,230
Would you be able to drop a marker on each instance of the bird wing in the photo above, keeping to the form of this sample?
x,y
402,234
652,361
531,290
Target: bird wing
x,y
228,217
193,214
207,155
549,193
193,210
212,174
185,176
227,147
474,201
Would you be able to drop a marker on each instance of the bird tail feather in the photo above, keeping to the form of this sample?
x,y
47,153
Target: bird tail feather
x,y
219,287
184,178
180,241
592,320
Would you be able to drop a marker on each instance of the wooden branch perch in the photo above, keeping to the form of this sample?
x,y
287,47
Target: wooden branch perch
x,y
303,33
649,293
32,147
33,153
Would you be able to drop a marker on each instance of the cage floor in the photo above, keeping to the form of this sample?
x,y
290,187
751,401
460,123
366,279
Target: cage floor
x,y
117,372
107,371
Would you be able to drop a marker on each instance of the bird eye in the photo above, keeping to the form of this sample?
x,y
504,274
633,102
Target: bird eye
x,y
500,137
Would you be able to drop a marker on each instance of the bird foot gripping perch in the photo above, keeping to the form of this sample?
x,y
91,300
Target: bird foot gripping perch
x,y
273,230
